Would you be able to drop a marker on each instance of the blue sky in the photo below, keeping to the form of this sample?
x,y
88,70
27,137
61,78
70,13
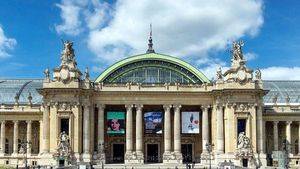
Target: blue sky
x,y
103,32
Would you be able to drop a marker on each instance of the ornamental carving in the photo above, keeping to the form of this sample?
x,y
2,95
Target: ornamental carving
x,y
241,107
63,150
172,156
67,71
65,106
244,147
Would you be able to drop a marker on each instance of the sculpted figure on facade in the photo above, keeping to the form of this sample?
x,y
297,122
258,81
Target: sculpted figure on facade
x,y
219,74
237,51
243,141
258,74
63,150
67,55
47,73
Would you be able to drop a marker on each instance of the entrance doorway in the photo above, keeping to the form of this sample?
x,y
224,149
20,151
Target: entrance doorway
x,y
187,153
152,153
118,153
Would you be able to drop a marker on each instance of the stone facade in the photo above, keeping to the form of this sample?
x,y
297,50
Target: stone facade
x,y
71,99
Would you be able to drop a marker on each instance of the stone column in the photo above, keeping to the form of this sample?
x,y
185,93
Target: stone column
x,y
2,148
86,133
16,137
260,128
167,133
263,148
46,129
100,125
29,126
129,137
205,129
288,132
177,136
275,131
139,133
220,129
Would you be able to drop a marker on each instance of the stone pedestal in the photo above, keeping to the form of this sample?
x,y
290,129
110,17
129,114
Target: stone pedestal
x,y
86,157
132,157
172,158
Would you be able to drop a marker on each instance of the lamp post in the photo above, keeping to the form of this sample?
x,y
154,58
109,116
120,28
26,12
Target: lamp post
x,y
286,149
209,150
24,146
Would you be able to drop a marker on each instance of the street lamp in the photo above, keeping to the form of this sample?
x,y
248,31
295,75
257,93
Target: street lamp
x,y
286,149
209,150
24,146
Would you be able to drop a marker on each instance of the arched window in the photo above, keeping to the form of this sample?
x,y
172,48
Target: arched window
x,y
152,69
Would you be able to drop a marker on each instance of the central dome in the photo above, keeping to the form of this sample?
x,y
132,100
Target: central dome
x,y
152,68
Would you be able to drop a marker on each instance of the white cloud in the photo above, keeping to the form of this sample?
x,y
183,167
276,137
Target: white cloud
x,y
180,28
71,18
281,73
6,44
250,56
77,15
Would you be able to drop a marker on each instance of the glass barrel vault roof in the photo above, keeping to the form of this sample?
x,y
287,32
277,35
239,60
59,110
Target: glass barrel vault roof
x,y
152,68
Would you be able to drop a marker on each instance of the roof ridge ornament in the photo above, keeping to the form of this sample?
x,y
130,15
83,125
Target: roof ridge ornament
x,y
237,54
67,71
150,44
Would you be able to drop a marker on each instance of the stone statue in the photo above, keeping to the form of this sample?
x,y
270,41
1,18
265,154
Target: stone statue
x,y
237,52
63,148
243,141
219,74
67,55
258,74
47,73
86,74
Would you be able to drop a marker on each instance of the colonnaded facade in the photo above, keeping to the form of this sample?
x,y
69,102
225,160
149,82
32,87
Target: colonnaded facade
x,y
149,110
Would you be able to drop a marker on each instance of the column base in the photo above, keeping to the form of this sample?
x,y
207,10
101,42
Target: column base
x,y
86,157
172,157
132,157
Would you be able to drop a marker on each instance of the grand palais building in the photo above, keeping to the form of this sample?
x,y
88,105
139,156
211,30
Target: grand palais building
x,y
150,111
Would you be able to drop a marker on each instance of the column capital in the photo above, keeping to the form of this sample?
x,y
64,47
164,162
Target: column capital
x,y
100,106
138,106
129,106
203,107
177,106
219,105
167,107
288,122
15,121
3,121
29,121
86,104
275,122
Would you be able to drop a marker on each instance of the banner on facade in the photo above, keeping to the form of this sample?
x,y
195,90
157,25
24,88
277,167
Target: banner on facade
x,y
116,122
190,122
153,122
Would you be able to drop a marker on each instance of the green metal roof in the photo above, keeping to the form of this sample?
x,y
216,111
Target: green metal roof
x,y
152,56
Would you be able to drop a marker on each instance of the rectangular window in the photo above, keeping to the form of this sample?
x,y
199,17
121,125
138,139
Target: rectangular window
x,y
241,126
